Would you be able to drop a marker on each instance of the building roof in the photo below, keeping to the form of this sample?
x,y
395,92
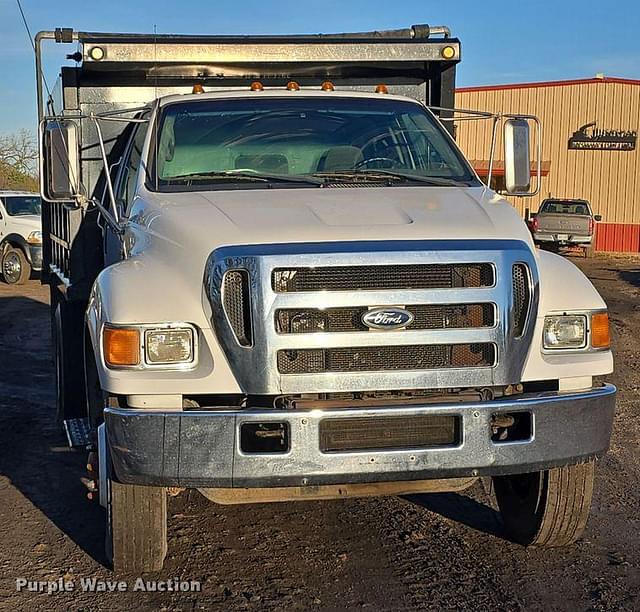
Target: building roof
x,y
597,79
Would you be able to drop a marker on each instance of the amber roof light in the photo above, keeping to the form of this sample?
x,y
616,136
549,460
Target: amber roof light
x,y
257,86
448,52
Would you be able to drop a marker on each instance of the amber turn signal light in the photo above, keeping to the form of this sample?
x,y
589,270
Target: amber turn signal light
x,y
600,336
121,346
448,52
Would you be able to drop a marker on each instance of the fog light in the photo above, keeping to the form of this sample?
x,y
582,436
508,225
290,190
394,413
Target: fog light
x,y
565,332
168,346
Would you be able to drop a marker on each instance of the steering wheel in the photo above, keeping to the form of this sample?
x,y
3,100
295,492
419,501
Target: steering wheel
x,y
370,160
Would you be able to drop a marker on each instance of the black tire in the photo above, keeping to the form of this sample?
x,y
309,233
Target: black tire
x,y
136,533
548,508
136,521
16,270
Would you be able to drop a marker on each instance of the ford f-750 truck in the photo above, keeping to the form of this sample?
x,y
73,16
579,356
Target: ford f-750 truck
x,y
274,276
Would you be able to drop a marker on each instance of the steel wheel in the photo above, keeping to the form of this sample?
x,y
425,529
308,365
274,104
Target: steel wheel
x,y
15,267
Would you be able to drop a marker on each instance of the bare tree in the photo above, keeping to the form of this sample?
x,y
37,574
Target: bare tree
x,y
18,161
20,152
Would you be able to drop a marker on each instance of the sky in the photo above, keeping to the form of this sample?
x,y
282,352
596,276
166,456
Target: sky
x,y
503,41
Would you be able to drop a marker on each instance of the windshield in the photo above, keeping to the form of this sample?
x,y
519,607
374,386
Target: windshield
x,y
272,139
20,206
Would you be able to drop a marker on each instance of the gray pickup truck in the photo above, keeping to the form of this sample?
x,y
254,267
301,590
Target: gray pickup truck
x,y
564,223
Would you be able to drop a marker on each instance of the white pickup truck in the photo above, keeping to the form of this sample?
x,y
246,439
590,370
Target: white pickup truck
x,y
20,236
302,290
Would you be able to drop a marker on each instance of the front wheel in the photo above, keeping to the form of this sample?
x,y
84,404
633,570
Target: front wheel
x,y
15,267
548,508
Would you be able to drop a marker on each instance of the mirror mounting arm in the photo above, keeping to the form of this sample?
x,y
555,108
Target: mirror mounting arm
x,y
112,198
117,227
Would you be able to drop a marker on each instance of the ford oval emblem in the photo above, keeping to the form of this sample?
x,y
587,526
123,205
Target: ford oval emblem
x,y
387,318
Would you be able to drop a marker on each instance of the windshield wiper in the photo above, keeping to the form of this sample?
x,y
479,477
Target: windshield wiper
x,y
245,176
385,175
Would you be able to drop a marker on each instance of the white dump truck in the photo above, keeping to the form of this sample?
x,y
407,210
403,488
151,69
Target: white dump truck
x,y
274,276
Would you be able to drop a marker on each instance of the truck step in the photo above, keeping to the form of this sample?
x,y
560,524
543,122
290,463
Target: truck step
x,y
77,431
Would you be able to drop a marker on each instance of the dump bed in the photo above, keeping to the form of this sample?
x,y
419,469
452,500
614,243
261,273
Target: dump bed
x,y
111,72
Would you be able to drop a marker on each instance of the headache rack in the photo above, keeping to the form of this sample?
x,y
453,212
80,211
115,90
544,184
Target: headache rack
x,y
112,72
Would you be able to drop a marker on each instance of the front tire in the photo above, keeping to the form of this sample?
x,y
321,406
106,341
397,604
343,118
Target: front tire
x,y
547,508
136,533
15,267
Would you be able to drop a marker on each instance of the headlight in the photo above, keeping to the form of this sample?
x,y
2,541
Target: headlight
x,y
34,238
168,346
565,332
147,346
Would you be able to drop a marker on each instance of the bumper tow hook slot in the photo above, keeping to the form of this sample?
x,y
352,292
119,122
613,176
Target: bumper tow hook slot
x,y
500,424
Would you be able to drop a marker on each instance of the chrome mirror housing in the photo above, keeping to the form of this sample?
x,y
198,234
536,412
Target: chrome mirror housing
x,y
517,160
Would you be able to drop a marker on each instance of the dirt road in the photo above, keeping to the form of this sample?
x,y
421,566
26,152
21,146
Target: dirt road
x,y
426,552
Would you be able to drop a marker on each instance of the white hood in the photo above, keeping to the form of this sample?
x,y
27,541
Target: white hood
x,y
203,221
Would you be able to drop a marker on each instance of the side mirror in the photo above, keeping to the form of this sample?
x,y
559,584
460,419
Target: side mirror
x,y
598,217
517,161
60,165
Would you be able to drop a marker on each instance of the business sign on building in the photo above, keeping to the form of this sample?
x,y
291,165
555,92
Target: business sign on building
x,y
591,139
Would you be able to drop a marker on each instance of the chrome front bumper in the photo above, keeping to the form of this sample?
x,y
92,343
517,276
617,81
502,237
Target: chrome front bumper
x,y
202,448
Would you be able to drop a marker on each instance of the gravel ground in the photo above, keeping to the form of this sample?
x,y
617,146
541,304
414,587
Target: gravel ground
x,y
426,552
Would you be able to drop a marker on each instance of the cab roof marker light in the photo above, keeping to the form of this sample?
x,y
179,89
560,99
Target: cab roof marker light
x,y
197,89
327,86
256,86
293,86
382,89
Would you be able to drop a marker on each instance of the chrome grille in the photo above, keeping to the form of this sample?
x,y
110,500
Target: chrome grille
x,y
235,299
521,298
386,358
376,278
460,293
349,319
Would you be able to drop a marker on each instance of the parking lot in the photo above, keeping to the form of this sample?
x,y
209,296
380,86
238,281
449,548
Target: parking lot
x,y
424,552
